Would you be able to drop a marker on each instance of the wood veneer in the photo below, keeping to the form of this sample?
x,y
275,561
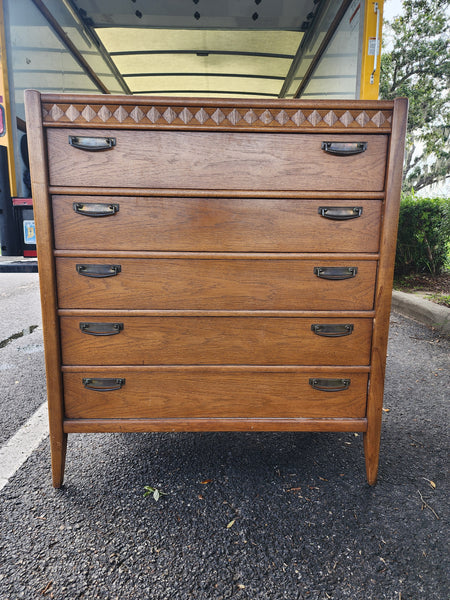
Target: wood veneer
x,y
217,237
214,393
192,160
216,340
217,225
223,284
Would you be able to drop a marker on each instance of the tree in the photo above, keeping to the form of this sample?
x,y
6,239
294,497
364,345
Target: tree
x,y
418,67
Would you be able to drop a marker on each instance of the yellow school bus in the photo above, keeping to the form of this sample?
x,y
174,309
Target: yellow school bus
x,y
246,48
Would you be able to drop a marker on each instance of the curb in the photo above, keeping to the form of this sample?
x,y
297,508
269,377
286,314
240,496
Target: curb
x,y
18,264
424,311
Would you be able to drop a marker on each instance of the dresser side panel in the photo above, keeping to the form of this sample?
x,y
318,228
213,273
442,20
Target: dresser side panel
x,y
383,289
47,280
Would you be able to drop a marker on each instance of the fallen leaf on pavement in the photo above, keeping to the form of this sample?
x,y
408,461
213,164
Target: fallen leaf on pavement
x,y
432,484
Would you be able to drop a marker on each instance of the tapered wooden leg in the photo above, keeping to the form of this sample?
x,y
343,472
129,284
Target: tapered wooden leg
x,y
372,449
58,447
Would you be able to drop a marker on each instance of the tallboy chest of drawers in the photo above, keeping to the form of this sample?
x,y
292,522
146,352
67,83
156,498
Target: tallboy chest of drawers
x,y
215,265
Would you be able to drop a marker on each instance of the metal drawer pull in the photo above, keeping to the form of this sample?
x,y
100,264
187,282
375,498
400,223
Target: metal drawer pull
x,y
101,328
330,385
340,213
332,329
344,148
335,272
92,144
90,209
99,270
103,385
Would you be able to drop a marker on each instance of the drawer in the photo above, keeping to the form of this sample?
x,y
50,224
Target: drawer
x,y
215,340
214,284
216,224
216,160
212,393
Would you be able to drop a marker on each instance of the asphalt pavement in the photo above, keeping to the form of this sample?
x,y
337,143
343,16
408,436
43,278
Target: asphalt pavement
x,y
245,515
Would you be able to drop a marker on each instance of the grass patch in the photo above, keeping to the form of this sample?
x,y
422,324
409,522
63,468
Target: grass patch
x,y
436,287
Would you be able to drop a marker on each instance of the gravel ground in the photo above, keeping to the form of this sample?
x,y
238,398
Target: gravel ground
x,y
246,516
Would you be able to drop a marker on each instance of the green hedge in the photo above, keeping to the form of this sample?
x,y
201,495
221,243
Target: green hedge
x,y
423,235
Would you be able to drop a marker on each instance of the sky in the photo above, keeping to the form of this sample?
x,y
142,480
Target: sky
x,y
392,8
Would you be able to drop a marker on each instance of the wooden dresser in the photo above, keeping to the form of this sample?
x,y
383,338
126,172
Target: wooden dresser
x,y
215,265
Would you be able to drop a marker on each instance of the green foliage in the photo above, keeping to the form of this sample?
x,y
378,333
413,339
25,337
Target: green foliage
x,y
442,299
418,67
423,235
149,490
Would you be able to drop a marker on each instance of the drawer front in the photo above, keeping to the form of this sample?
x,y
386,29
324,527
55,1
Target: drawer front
x,y
214,284
216,224
215,340
200,393
216,160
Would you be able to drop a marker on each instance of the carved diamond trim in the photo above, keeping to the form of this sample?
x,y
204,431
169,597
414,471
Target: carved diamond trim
x,y
56,113
72,113
266,117
239,117
153,115
346,118
88,113
186,115
120,114
104,113
202,116
378,119
169,115
314,118
298,118
330,118
282,117
136,114
362,119
218,116
234,117
250,116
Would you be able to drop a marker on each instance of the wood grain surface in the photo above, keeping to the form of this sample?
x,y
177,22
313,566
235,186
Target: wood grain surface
x,y
47,283
216,224
200,393
215,340
383,290
119,425
217,237
216,284
217,160
131,112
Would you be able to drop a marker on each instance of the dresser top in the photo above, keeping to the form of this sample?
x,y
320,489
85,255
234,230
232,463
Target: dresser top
x,y
151,112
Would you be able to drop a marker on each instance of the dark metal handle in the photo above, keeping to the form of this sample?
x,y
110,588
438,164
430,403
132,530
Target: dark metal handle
x,y
330,385
91,209
99,270
344,148
340,213
92,144
103,385
332,329
335,272
101,329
